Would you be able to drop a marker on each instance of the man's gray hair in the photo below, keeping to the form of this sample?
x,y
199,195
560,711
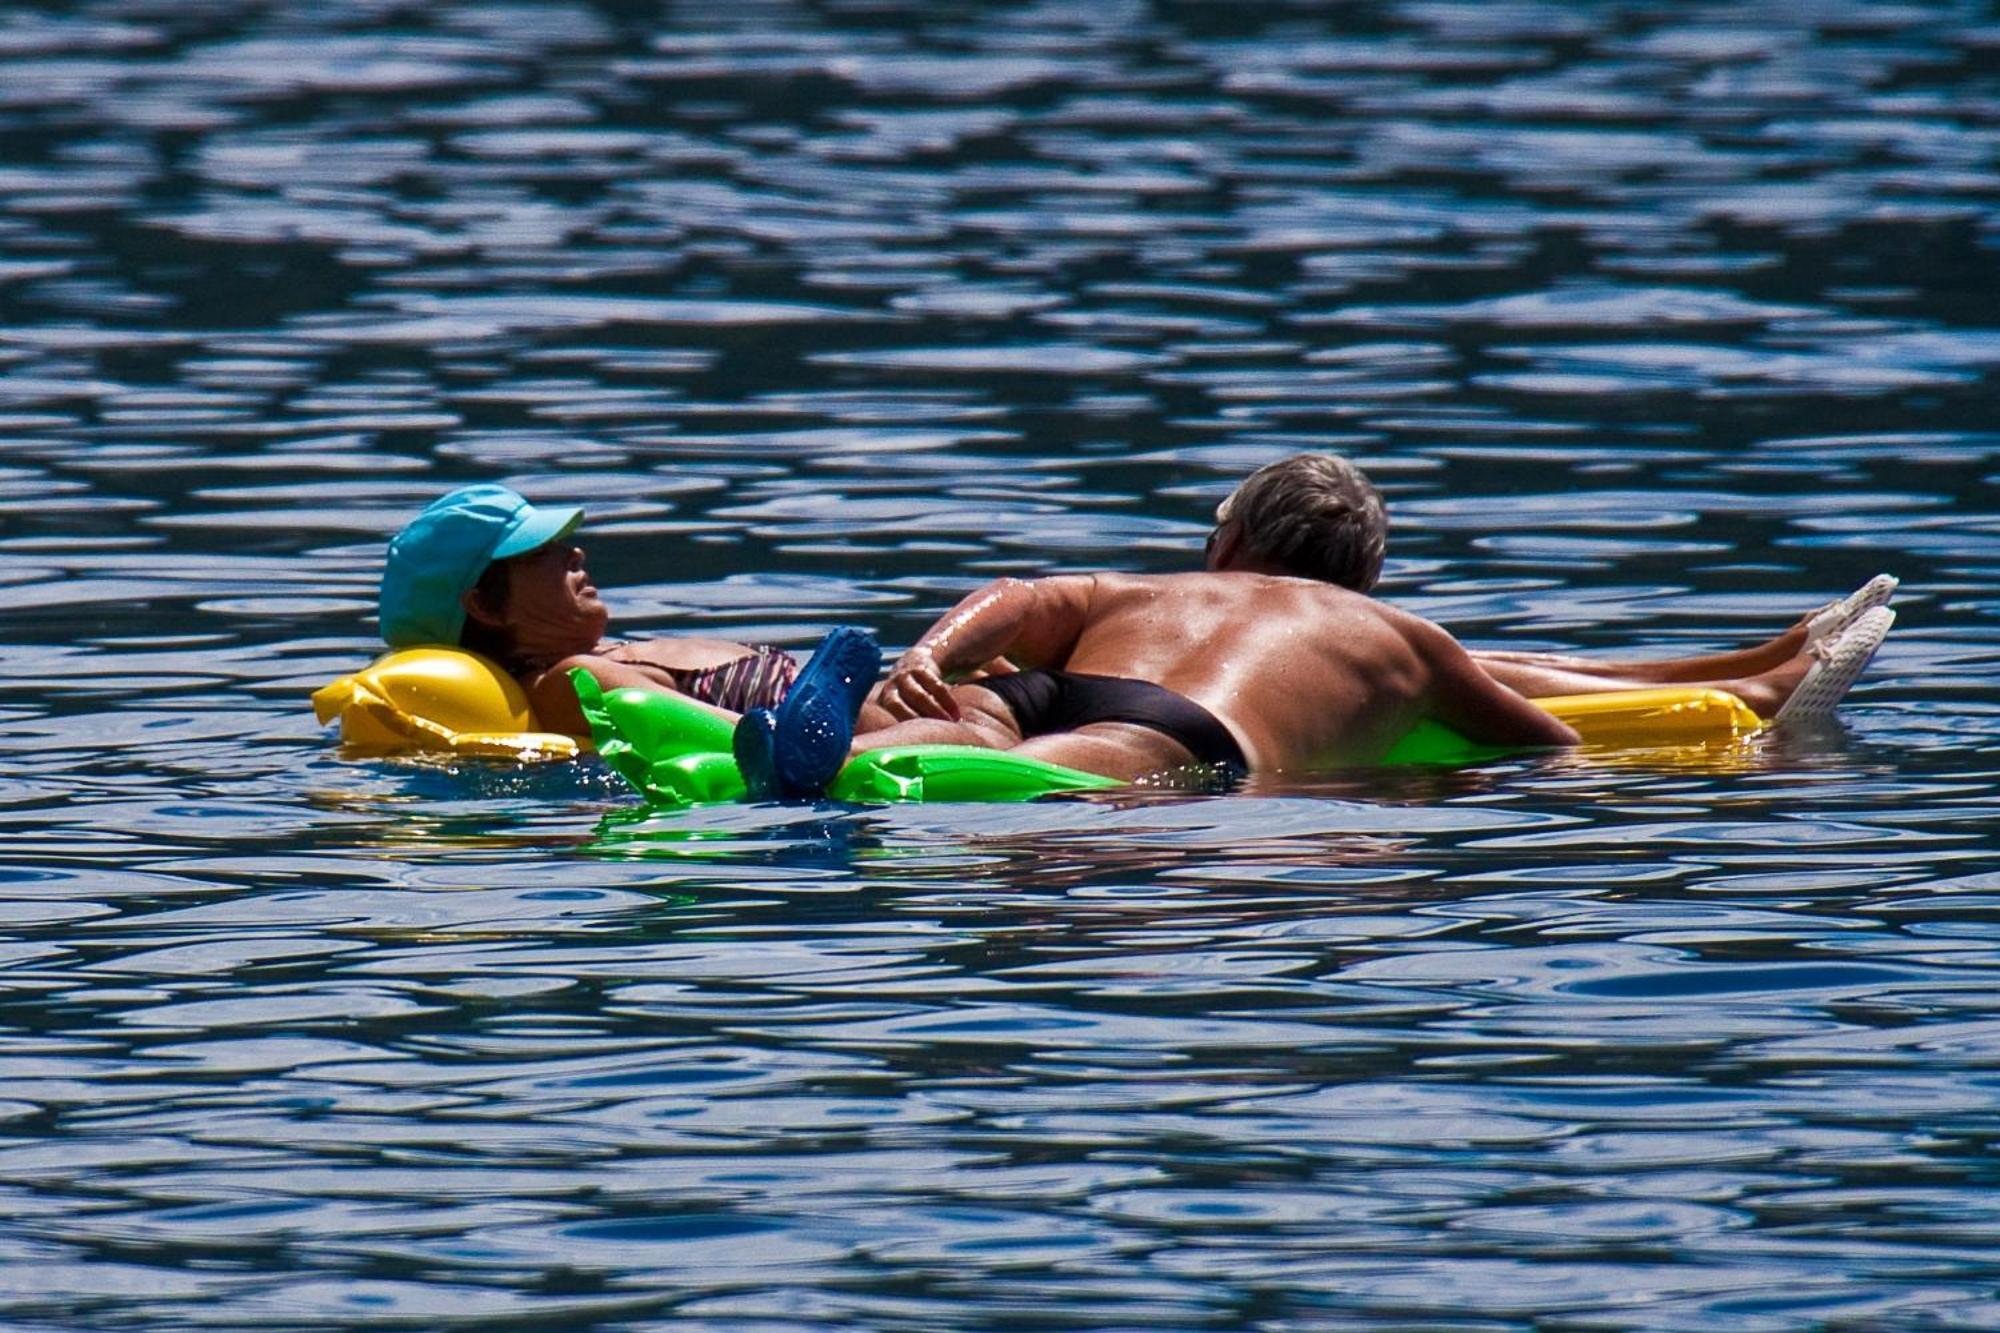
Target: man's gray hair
x,y
1315,516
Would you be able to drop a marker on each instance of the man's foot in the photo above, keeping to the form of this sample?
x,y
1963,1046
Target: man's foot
x,y
1832,620
1838,663
815,724
755,744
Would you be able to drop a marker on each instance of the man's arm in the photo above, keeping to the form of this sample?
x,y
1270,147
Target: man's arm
x,y
1472,703
1035,622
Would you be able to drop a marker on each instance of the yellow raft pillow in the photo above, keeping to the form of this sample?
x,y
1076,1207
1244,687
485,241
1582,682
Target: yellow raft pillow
x,y
438,699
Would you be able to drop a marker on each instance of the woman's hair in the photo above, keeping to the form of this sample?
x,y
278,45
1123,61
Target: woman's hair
x,y
489,641
1314,516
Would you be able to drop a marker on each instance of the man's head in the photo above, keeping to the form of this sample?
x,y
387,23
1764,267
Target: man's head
x,y
1313,516
439,557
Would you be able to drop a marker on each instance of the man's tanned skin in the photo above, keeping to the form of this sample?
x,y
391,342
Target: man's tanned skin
x,y
1277,640
1303,673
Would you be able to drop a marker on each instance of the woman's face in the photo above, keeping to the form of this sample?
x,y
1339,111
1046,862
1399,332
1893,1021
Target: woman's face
x,y
551,603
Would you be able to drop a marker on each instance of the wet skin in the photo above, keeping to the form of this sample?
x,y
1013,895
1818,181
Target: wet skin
x,y
1304,674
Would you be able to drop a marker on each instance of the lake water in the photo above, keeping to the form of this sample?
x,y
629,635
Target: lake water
x,y
1659,324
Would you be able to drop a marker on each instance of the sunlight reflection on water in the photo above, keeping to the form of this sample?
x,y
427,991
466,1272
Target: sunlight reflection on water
x,y
1657,327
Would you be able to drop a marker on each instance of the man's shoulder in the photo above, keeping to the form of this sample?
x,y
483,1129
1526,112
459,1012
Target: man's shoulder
x,y
1233,593
1266,588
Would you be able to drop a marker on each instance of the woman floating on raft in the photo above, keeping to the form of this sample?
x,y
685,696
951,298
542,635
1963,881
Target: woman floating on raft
x,y
1272,658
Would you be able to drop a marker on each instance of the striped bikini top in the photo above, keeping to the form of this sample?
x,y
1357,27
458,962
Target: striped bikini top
x,y
758,679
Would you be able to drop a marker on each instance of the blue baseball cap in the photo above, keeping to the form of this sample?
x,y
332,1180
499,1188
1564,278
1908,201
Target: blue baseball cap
x,y
440,554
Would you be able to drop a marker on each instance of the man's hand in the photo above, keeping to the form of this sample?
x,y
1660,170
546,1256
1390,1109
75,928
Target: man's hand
x,y
916,688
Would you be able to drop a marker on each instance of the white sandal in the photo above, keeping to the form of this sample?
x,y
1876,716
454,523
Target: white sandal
x,y
1839,662
1833,619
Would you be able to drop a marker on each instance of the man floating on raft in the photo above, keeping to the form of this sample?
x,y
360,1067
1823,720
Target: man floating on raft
x,y
1272,658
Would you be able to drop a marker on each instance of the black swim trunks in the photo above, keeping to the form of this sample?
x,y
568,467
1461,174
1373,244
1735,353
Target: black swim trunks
x,y
1049,701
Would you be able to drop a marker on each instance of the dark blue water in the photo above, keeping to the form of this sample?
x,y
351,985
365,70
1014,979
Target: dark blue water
x,y
1659,325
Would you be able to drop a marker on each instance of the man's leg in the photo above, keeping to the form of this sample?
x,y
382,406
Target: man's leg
x,y
1123,750
1547,674
1763,690
1638,675
1835,663
1108,750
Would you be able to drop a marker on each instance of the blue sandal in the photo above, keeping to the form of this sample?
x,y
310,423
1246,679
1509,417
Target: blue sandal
x,y
754,742
805,744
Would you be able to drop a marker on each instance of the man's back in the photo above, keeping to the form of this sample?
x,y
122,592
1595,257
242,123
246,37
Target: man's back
x,y
1302,672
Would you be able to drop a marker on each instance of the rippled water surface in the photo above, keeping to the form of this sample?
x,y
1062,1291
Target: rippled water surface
x,y
1659,323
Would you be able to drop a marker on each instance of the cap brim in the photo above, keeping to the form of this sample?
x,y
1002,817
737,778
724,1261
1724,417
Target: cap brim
x,y
538,528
